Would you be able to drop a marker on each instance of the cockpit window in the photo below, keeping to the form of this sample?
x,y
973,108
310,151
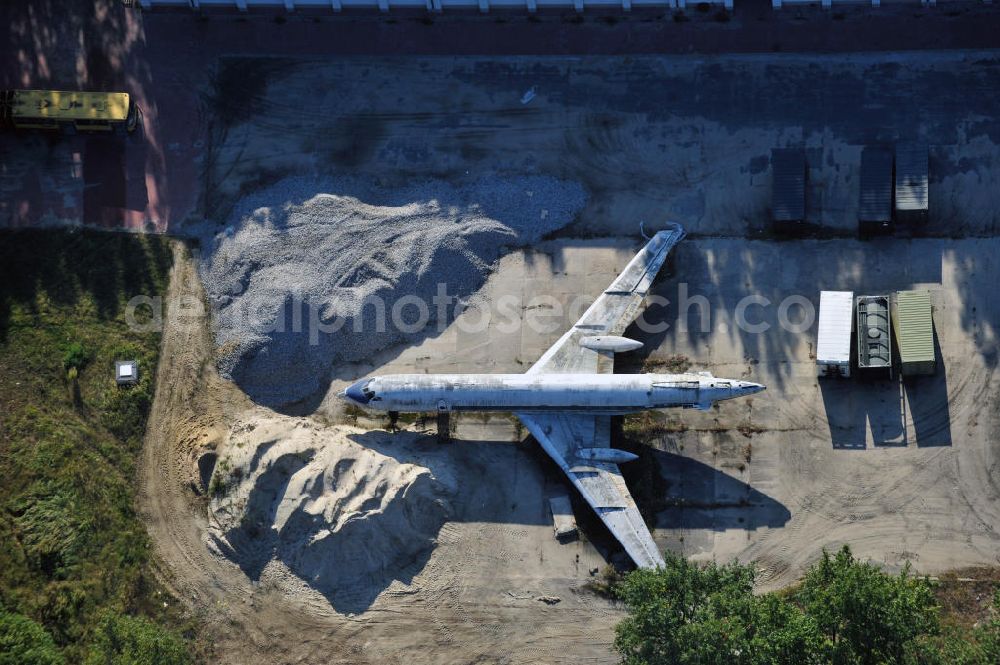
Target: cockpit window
x,y
360,392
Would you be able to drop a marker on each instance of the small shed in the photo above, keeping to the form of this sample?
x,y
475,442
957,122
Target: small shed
x,y
912,176
833,343
126,372
874,343
914,325
563,521
788,197
875,205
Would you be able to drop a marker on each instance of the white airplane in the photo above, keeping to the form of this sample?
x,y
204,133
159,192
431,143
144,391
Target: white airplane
x,y
567,398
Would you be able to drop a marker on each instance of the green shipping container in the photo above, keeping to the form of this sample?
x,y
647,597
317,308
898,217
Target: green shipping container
x,y
914,326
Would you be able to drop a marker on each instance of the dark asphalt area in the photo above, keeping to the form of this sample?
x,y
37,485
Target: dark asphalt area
x,y
151,180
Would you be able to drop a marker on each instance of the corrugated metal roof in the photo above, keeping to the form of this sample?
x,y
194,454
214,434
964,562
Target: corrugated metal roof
x,y
833,344
788,197
911,176
876,185
914,326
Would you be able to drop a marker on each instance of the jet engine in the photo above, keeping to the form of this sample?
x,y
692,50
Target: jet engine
x,y
610,343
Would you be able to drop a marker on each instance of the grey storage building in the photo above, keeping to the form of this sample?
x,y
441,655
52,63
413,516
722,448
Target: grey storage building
x,y
912,175
914,325
875,207
788,197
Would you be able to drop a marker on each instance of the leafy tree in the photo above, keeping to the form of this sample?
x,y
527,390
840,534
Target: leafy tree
x,y
125,640
869,617
846,612
25,641
688,615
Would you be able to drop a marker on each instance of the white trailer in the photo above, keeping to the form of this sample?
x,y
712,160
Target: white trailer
x,y
833,346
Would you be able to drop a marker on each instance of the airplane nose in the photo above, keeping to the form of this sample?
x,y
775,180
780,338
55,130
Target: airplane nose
x,y
356,392
749,388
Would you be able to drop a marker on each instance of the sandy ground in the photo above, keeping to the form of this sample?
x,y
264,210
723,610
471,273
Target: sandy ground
x,y
902,472
475,599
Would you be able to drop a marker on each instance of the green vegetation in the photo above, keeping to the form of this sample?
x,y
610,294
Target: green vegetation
x,y
25,641
73,553
124,640
844,612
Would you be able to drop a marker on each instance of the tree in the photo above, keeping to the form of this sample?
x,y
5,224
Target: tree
x,y
869,617
25,641
690,615
846,612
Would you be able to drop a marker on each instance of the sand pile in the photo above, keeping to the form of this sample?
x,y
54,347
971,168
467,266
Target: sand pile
x,y
340,509
290,277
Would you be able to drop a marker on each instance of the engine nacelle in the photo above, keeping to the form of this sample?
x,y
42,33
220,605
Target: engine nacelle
x,y
613,455
610,343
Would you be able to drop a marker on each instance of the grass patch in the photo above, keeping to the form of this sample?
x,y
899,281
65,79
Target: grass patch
x,y
647,425
605,583
73,553
675,364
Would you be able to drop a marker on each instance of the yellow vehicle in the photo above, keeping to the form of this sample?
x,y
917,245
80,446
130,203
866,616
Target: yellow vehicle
x,y
68,111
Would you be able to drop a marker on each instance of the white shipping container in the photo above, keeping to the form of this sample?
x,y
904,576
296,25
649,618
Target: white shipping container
x,y
833,346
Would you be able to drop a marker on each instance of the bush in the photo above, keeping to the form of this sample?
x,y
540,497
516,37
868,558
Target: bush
x,y
24,641
125,640
75,357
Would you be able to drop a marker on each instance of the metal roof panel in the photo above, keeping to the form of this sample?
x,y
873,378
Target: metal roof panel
x,y
914,326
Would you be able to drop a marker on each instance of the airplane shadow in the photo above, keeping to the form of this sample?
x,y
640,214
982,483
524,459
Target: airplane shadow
x,y
678,492
486,482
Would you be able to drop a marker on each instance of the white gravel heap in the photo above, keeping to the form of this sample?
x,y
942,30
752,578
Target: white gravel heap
x,y
292,244
343,511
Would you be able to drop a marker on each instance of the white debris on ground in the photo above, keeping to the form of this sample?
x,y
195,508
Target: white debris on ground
x,y
334,509
301,257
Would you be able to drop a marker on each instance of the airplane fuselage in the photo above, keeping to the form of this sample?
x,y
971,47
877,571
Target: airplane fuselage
x,y
592,393
566,397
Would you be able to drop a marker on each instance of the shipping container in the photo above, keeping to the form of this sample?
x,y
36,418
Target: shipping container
x,y
874,342
914,326
833,343
788,198
912,175
875,205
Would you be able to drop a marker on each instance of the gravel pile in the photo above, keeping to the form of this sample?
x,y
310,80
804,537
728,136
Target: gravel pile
x,y
327,506
294,276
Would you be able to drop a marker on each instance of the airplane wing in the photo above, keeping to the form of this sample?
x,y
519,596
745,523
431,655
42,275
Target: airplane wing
x,y
611,313
600,483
